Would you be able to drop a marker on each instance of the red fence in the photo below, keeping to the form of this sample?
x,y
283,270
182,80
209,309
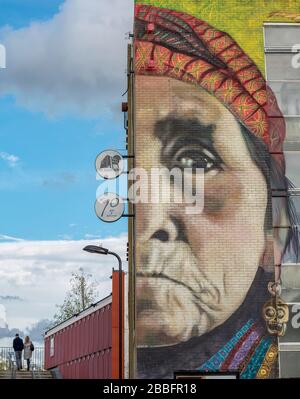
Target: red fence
x,y
86,346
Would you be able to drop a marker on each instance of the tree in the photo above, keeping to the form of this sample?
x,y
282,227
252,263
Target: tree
x,y
81,295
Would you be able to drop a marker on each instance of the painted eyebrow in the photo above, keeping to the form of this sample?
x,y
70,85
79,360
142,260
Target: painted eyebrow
x,y
170,127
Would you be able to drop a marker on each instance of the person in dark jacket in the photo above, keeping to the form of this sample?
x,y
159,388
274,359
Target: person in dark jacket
x,y
18,348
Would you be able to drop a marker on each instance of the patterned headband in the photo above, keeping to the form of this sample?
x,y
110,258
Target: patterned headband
x,y
180,46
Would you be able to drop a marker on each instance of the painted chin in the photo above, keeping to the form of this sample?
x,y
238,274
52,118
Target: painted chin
x,y
167,313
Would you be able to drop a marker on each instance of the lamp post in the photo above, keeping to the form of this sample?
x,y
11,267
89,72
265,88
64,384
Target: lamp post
x,y
94,249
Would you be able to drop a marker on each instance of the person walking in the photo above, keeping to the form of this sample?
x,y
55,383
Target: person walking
x,y
18,348
28,349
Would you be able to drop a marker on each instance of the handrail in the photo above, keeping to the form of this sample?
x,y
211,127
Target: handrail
x,y
35,372
7,357
12,365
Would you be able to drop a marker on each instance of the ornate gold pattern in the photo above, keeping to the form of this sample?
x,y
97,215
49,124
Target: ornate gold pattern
x,y
267,364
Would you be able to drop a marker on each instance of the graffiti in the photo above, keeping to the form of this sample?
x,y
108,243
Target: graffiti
x,y
202,281
290,15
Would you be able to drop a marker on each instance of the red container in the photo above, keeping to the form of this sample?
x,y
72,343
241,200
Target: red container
x,y
86,346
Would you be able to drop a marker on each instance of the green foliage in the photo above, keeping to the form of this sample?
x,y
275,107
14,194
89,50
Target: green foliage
x,y
81,295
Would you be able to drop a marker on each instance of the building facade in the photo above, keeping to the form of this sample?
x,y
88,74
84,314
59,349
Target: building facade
x,y
215,95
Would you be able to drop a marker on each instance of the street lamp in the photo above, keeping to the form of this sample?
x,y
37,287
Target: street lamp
x,y
94,249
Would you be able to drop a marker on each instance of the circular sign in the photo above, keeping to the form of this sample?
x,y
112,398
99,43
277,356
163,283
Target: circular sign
x,y
109,164
109,207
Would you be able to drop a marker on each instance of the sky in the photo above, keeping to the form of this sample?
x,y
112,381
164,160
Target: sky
x,y
60,98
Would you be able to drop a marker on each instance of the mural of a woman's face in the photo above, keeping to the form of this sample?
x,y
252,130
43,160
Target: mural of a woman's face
x,y
194,271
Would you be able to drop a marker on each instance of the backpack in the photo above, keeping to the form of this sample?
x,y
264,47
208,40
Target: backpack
x,y
31,347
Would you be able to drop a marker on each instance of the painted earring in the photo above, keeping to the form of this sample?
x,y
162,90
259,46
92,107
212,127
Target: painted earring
x,y
276,311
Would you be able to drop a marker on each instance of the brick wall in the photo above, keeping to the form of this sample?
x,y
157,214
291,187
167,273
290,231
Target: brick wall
x,y
202,278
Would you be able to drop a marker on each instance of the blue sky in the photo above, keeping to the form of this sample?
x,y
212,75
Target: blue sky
x,y
49,193
60,99
19,13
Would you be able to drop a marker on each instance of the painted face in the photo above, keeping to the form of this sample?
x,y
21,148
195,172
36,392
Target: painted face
x,y
194,271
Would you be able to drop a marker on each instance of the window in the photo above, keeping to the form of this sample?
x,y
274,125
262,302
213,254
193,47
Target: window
x,y
282,56
52,346
289,344
282,36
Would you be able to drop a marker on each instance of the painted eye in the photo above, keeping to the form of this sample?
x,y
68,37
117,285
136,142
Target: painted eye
x,y
270,312
186,162
280,313
192,158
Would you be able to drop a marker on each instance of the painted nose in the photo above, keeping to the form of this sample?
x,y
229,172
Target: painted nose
x,y
161,235
172,231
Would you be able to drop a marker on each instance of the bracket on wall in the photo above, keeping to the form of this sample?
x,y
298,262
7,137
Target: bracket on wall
x,y
129,35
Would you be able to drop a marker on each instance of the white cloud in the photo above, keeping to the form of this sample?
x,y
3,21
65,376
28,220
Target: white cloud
x,y
39,272
74,62
10,159
4,237
66,237
91,236
3,321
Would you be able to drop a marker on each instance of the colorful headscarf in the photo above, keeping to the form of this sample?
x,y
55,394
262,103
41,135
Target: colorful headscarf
x,y
180,46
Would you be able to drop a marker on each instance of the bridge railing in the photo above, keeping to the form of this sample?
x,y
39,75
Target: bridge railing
x,y
12,365
7,358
